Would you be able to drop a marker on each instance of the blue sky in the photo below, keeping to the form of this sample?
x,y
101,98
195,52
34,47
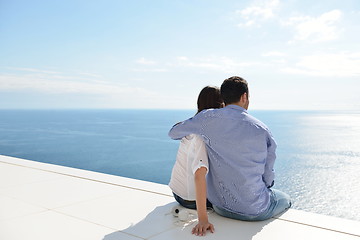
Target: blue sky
x,y
295,54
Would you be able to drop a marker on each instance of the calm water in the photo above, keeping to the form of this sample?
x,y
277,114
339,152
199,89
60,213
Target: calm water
x,y
318,161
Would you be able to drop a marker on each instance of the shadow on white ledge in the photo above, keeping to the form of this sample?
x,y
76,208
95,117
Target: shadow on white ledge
x,y
43,201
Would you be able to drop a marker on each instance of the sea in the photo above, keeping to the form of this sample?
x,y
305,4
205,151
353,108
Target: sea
x,y
318,154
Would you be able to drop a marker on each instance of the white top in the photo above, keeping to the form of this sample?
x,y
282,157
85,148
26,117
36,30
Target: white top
x,y
191,156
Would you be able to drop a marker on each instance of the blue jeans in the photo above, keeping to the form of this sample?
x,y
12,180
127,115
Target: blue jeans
x,y
279,203
189,204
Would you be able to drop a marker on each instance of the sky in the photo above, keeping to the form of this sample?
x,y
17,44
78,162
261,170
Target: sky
x,y
140,54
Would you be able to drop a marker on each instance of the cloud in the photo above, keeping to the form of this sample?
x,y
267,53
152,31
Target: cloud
x,y
148,66
274,54
149,70
258,13
48,82
93,75
144,61
328,65
316,29
41,74
221,64
33,70
313,29
97,92
182,58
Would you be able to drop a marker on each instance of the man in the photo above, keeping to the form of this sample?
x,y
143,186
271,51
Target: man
x,y
241,153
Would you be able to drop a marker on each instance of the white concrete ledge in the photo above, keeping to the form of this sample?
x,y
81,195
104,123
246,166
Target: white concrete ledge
x,y
43,201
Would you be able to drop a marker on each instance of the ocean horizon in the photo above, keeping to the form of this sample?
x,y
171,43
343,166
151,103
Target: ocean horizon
x,y
318,154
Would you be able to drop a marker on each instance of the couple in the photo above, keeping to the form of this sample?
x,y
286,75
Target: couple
x,y
226,159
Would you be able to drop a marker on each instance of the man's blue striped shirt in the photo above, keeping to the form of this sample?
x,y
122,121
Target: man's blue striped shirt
x,y
241,153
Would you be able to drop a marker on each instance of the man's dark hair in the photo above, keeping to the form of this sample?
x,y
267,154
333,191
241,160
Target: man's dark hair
x,y
232,89
209,97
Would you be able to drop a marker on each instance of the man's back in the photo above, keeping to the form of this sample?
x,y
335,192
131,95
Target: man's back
x,y
241,154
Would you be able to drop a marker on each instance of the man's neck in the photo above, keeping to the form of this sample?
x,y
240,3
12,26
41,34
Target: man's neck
x,y
237,104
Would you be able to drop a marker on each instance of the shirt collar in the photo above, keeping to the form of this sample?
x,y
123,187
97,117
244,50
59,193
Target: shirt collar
x,y
236,107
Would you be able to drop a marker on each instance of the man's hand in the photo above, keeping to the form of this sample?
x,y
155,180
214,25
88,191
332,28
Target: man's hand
x,y
201,228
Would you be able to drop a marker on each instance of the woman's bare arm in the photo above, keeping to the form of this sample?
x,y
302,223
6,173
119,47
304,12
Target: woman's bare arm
x,y
200,187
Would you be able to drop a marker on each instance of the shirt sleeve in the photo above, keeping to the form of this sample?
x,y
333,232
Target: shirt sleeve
x,y
200,157
187,127
269,173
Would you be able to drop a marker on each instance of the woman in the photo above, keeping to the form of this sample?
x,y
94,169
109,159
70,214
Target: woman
x,y
188,178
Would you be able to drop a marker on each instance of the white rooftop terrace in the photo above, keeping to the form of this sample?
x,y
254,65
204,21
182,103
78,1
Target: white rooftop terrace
x,y
41,201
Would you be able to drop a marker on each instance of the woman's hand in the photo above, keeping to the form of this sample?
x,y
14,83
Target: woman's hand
x,y
201,228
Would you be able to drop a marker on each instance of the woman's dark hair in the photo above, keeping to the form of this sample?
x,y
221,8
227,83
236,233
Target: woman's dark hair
x,y
209,97
232,89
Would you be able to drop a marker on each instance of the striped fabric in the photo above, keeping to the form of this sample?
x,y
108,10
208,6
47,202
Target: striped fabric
x,y
241,154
